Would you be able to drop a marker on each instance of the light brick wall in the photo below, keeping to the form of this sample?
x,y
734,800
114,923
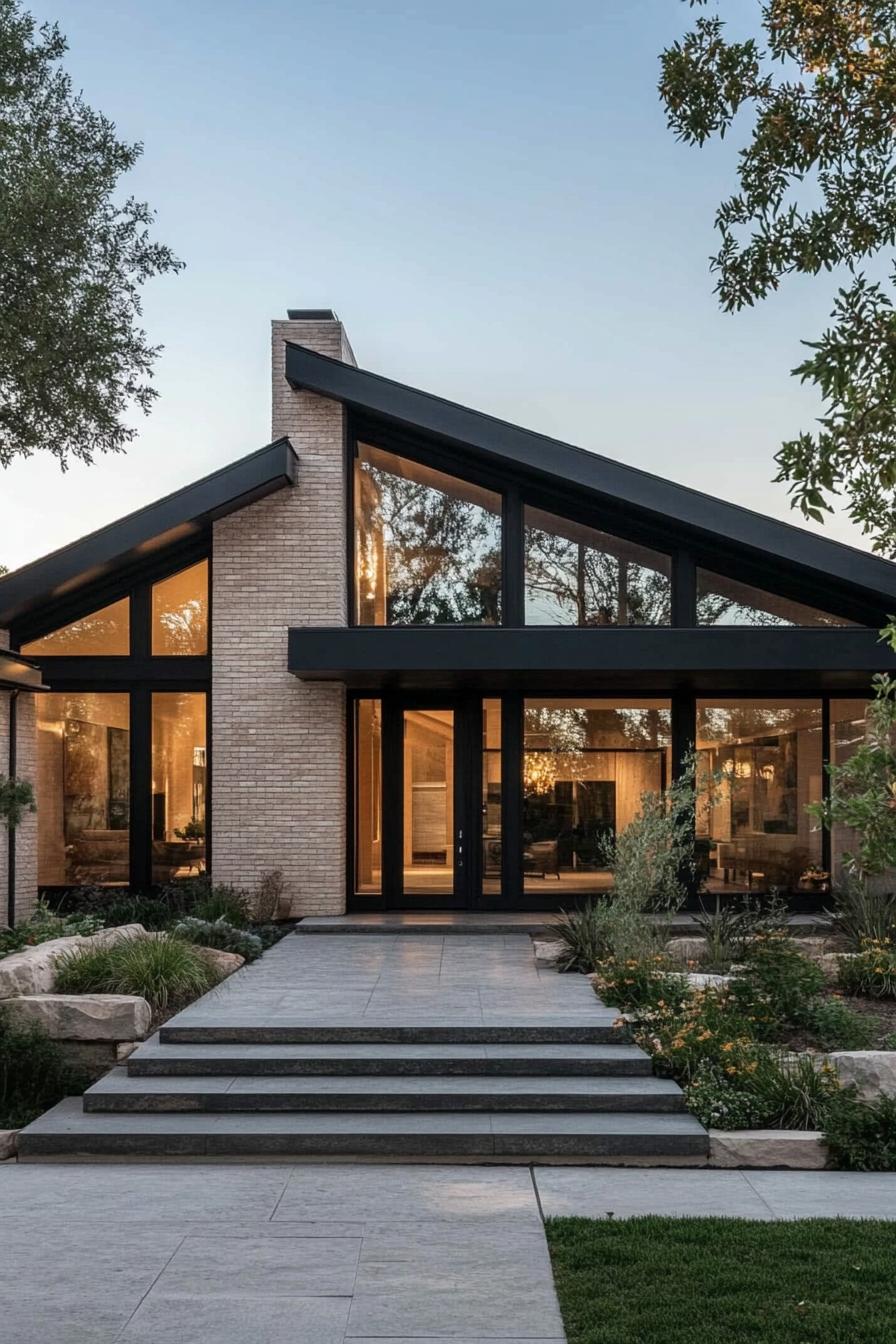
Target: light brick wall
x,y
278,745
26,834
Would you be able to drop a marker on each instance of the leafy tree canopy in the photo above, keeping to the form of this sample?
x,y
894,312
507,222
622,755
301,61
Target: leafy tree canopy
x,y
816,190
73,257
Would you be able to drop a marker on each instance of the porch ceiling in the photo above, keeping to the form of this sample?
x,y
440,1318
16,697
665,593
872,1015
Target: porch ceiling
x,y
544,658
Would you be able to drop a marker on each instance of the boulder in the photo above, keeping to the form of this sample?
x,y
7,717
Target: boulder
x,y
872,1071
9,1139
33,969
705,980
798,1149
686,949
85,1017
548,951
223,963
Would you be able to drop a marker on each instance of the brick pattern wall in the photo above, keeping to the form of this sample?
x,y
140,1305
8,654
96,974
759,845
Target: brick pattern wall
x,y
26,834
278,745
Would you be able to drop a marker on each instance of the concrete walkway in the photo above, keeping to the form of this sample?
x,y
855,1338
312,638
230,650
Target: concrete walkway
x,y
336,1254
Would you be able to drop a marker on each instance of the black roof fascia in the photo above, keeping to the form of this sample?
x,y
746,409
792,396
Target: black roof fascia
x,y
141,534
734,658
505,445
18,675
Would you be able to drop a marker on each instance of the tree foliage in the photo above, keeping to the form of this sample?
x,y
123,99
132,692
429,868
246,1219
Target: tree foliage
x,y
73,257
816,190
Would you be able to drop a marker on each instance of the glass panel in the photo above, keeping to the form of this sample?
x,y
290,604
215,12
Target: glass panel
x,y
491,796
178,784
848,731
427,545
102,633
586,764
755,831
180,612
368,796
83,789
428,801
576,575
722,601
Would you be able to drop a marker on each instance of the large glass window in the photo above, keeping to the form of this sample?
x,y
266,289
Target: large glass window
x,y
102,633
178,784
586,765
83,789
722,601
849,731
427,545
767,756
368,796
576,575
428,831
180,612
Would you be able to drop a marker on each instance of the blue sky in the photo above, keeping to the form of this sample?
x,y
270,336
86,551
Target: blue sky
x,y
487,194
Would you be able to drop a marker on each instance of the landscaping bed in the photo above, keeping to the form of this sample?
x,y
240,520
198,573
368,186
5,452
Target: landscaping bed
x,y
705,1280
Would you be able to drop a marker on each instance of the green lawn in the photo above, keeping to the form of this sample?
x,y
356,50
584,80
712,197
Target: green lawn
x,y
725,1281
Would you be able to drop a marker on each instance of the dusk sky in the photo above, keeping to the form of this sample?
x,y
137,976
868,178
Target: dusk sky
x,y
487,195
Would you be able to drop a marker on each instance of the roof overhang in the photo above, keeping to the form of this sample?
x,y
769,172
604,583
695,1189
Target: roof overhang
x,y
622,659
16,674
142,535
508,447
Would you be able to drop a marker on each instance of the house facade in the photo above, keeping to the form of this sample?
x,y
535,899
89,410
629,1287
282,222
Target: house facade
x,y
415,657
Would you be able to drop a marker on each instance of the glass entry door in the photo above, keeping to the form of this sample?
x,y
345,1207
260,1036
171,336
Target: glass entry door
x,y
432,842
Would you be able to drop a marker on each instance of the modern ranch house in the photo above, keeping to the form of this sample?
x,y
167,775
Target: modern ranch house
x,y
419,658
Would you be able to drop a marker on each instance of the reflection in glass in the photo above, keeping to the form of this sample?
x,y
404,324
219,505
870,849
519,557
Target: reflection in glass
x,y
178,784
428,801
83,789
491,796
102,633
849,731
755,829
368,796
576,575
427,545
722,601
180,612
586,764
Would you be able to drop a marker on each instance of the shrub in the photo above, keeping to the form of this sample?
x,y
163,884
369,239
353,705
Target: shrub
x,y
861,1136
709,1025
730,928
165,971
861,911
833,1025
871,971
634,982
775,983
223,902
602,928
267,897
218,933
34,1073
653,860
43,925
718,1103
762,1088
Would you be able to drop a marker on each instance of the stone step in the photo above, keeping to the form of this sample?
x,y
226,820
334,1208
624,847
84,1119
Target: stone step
x,y
592,1028
155,1060
68,1133
117,1091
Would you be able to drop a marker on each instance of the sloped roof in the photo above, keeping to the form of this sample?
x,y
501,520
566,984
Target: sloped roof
x,y
178,516
508,447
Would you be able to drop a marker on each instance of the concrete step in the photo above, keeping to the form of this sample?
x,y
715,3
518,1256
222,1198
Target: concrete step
x,y
155,1060
119,1092
67,1133
591,1028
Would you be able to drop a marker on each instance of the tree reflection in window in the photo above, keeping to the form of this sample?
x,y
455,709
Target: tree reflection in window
x,y
427,545
577,575
724,601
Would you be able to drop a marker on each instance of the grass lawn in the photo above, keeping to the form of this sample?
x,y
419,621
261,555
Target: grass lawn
x,y
725,1281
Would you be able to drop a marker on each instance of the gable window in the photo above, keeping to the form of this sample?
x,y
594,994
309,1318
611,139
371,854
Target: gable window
x,y
722,601
576,575
427,545
180,612
100,634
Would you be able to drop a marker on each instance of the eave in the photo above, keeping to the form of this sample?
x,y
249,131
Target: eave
x,y
734,660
